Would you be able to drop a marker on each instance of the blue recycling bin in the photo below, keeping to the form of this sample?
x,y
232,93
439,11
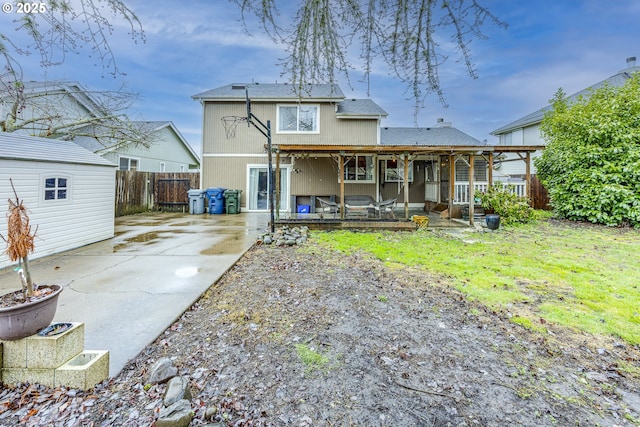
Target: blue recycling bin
x,y
196,201
216,200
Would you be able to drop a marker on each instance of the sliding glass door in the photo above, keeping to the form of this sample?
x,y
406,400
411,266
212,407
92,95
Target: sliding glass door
x,y
258,188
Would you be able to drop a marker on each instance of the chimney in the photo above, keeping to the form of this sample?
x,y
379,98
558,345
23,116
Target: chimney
x,y
440,123
631,62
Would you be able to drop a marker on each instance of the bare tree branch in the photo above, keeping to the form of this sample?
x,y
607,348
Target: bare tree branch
x,y
412,37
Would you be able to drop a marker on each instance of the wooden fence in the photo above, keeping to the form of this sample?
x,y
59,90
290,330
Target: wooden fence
x,y
153,191
539,195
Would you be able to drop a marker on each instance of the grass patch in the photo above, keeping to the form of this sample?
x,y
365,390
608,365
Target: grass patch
x,y
581,276
310,358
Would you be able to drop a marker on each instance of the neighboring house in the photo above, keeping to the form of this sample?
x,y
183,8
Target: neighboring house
x,y
328,145
46,108
526,130
69,192
67,110
169,151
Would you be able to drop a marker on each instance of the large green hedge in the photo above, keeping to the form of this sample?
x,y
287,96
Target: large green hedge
x,y
591,166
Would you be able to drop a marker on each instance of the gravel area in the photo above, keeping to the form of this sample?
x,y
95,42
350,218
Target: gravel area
x,y
298,336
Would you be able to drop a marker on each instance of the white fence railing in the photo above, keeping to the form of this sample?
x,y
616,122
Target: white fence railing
x,y
461,190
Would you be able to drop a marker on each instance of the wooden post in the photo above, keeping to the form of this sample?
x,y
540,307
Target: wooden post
x,y
277,185
406,185
452,182
528,178
472,190
490,172
341,172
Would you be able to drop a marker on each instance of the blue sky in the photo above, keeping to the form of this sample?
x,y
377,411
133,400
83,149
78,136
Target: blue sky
x,y
200,44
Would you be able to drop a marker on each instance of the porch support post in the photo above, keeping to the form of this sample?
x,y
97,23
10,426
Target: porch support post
x,y
406,185
452,182
472,190
490,172
277,184
528,177
341,173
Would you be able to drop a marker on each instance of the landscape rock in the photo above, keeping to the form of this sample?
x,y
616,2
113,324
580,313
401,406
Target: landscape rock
x,y
177,389
161,371
178,414
286,235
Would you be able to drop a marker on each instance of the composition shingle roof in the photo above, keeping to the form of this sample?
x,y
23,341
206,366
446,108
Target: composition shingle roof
x,y
359,107
617,80
435,136
271,91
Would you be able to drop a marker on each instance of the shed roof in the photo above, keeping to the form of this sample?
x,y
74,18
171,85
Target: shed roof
x,y
30,148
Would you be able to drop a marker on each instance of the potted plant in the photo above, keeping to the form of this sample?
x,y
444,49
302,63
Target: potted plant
x,y
501,203
24,312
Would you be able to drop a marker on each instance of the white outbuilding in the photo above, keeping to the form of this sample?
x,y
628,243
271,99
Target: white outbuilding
x,y
68,190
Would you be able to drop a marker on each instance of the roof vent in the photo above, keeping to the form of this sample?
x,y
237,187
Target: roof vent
x,y
238,87
631,61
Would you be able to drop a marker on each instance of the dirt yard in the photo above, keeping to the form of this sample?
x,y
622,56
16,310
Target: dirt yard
x,y
388,347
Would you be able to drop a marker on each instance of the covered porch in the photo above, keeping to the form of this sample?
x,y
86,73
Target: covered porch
x,y
438,181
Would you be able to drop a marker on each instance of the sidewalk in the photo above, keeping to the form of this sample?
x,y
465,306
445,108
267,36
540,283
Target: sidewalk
x,y
127,290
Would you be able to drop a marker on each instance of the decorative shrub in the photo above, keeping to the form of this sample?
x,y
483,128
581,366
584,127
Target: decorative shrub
x,y
591,165
503,200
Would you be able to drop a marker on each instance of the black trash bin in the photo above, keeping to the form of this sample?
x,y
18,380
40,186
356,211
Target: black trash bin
x,y
232,201
216,200
196,201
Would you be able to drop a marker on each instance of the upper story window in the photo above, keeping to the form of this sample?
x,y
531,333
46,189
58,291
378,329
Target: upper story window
x,y
56,188
394,171
298,118
128,164
359,169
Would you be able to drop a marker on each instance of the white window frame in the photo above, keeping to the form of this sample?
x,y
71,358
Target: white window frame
x,y
356,180
285,196
396,174
129,159
298,108
56,189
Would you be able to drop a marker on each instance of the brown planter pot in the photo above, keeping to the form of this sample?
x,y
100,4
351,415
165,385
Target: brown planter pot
x,y
26,319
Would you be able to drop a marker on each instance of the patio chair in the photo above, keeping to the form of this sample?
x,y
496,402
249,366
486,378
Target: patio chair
x,y
386,206
328,206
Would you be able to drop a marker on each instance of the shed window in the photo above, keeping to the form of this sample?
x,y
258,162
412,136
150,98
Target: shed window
x,y
56,188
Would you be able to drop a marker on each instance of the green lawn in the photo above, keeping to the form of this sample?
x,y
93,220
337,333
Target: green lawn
x,y
581,276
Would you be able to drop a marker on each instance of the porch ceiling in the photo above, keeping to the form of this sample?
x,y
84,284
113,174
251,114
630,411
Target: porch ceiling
x,y
395,149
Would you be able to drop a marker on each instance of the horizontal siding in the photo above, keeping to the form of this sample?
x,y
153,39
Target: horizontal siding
x,y
86,218
167,148
248,140
228,172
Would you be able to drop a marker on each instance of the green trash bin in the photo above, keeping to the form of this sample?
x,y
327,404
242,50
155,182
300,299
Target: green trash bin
x,y
232,201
